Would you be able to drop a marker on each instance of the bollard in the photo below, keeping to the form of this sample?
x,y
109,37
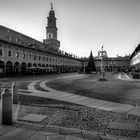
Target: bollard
x,y
0,89
6,107
15,93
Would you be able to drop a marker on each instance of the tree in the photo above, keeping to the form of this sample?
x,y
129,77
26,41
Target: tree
x,y
91,64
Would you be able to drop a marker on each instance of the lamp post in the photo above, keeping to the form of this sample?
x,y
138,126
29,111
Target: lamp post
x,y
102,68
102,77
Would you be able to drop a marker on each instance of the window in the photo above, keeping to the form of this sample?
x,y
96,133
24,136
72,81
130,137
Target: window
x,y
39,58
0,52
9,53
17,54
35,57
43,58
23,55
30,57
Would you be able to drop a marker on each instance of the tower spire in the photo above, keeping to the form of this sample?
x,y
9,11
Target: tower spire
x,y
51,6
51,31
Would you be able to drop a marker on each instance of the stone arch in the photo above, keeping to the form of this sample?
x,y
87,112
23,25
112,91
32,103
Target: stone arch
x,y
23,68
34,65
0,52
2,68
110,68
16,68
29,65
43,65
9,68
106,68
39,65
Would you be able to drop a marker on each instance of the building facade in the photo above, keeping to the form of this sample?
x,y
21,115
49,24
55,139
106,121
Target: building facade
x,y
20,54
135,59
110,64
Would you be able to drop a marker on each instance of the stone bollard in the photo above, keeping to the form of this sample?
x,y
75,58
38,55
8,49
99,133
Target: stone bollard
x,y
6,107
15,93
0,89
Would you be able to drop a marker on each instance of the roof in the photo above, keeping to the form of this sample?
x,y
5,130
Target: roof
x,y
137,49
39,49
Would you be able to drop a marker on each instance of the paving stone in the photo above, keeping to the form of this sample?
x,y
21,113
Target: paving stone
x,y
86,101
135,111
33,127
69,137
47,133
25,135
123,126
5,129
62,96
90,135
52,129
117,137
97,103
14,132
5,138
69,98
34,117
116,107
108,138
38,136
79,135
68,131
58,96
56,137
78,99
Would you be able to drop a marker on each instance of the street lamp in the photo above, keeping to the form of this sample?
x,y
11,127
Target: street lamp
x,y
102,77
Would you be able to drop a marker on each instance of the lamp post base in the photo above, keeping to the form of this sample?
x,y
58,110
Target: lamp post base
x,y
102,79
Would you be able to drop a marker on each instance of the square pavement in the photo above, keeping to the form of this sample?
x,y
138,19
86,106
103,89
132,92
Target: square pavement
x,y
123,126
135,111
34,117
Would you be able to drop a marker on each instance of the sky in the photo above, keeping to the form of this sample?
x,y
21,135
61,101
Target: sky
x,y
83,25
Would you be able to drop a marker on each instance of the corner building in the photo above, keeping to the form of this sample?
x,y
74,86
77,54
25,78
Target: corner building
x,y
21,54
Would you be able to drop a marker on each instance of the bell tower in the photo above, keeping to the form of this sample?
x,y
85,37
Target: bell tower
x,y
51,41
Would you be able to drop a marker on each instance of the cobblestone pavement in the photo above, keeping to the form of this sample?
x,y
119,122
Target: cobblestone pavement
x,y
82,100
25,131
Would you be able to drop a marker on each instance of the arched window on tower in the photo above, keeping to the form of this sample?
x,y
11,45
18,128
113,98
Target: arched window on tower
x,y
0,52
50,35
50,20
9,53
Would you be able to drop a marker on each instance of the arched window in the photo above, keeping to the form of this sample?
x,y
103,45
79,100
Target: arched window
x,y
9,53
39,58
30,56
17,54
0,52
23,55
34,57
